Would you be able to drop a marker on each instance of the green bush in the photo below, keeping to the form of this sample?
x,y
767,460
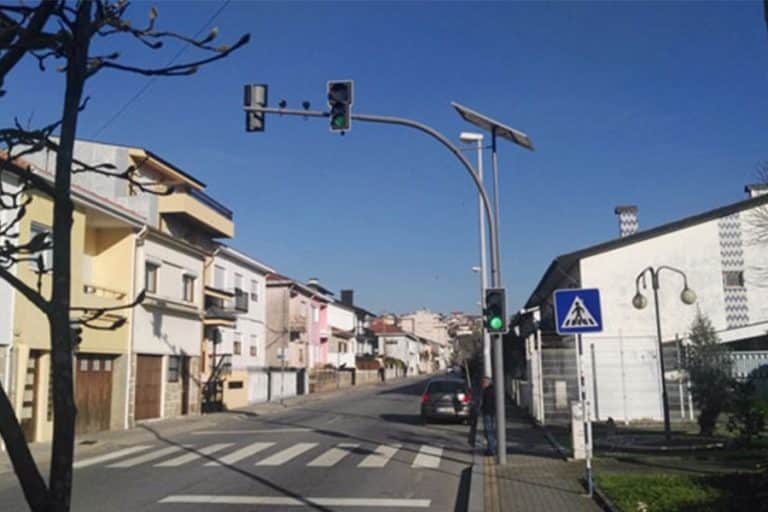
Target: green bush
x,y
748,417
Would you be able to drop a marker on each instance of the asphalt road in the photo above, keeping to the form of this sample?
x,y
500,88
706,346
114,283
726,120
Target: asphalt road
x,y
361,451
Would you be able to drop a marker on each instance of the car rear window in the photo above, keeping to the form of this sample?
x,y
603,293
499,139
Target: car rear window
x,y
446,387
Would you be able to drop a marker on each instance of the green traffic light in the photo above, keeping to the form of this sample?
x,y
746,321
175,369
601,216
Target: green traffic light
x,y
496,323
339,121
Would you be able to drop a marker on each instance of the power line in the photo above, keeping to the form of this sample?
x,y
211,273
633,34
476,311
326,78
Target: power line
x,y
152,80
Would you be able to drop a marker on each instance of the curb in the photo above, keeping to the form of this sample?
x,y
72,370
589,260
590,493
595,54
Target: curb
x,y
561,450
476,485
601,499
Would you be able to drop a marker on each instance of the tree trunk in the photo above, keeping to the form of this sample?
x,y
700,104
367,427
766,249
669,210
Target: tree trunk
x,y
62,455
32,484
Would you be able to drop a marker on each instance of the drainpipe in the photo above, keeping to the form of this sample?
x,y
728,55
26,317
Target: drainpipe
x,y
132,316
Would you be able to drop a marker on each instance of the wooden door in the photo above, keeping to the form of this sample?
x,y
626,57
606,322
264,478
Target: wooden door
x,y
148,386
28,414
184,363
93,392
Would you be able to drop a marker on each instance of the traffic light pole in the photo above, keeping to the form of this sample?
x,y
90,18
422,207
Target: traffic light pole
x,y
501,420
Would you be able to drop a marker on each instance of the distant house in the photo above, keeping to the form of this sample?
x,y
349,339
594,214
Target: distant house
x,y
398,344
724,257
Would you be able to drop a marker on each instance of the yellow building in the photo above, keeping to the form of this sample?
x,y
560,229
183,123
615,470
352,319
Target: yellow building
x,y
103,239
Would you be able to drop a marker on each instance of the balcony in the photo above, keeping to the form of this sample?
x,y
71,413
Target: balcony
x,y
297,324
241,300
197,207
95,296
219,313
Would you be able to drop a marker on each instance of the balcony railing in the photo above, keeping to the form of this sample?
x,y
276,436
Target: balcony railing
x,y
211,202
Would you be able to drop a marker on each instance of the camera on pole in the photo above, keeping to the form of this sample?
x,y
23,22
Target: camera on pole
x,y
495,312
255,96
340,103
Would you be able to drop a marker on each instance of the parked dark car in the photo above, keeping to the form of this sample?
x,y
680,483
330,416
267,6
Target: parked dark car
x,y
445,398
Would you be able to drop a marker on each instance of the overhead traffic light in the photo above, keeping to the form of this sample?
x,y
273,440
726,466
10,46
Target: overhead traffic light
x,y
340,102
255,96
495,313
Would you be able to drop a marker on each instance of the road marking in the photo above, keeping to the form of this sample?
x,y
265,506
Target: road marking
x,y
240,454
428,457
333,456
293,502
287,454
189,457
129,463
110,456
240,432
380,457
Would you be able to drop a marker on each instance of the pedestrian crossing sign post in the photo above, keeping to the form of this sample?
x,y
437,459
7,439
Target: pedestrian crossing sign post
x,y
578,311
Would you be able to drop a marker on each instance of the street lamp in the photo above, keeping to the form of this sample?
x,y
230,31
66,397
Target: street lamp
x,y
639,301
497,129
477,138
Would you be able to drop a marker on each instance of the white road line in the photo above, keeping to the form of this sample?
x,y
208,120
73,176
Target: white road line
x,y
287,454
141,459
333,456
240,432
240,454
110,456
189,457
428,457
293,502
380,457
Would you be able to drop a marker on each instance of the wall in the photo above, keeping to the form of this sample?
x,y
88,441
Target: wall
x,y
7,294
235,397
165,324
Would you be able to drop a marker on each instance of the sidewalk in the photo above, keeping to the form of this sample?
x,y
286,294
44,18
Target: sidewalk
x,y
536,478
100,442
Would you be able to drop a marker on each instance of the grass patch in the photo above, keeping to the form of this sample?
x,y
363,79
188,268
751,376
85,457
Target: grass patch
x,y
734,492
661,493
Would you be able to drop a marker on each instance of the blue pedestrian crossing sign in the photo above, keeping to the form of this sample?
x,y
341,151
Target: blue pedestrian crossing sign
x,y
578,311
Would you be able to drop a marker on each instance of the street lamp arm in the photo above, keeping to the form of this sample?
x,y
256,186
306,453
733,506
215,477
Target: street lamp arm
x,y
453,149
676,270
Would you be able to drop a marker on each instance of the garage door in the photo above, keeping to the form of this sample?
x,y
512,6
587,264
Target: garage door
x,y
93,392
148,386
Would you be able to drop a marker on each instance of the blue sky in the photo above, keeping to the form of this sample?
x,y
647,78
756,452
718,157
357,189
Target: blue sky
x,y
662,105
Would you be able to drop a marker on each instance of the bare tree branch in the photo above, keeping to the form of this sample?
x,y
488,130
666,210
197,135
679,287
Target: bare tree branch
x,y
12,57
30,294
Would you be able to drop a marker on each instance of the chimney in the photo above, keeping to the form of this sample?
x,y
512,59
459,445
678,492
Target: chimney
x,y
348,297
628,224
756,189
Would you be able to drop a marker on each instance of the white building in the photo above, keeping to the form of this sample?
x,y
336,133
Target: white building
x,y
343,343
242,282
9,185
725,262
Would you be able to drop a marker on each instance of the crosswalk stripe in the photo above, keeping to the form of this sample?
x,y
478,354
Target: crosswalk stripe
x,y
286,501
189,457
240,454
141,459
287,454
380,457
428,457
333,456
110,456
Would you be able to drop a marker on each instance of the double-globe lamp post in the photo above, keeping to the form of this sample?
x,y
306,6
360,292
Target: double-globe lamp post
x,y
639,301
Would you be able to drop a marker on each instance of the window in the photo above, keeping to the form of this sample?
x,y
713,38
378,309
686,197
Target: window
x,y
47,254
219,278
342,347
189,288
150,277
254,290
254,345
239,281
241,300
235,384
174,366
295,335
315,314
237,348
733,279
301,355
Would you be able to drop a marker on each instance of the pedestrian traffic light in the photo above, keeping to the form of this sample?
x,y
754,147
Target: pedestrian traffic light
x,y
495,313
340,102
255,96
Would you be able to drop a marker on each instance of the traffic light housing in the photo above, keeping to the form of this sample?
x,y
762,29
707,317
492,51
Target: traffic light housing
x,y
340,103
255,95
495,313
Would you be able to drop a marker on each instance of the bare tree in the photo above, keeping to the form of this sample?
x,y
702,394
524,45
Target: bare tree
x,y
64,32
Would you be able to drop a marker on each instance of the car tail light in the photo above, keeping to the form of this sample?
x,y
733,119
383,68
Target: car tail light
x,y
463,398
424,398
